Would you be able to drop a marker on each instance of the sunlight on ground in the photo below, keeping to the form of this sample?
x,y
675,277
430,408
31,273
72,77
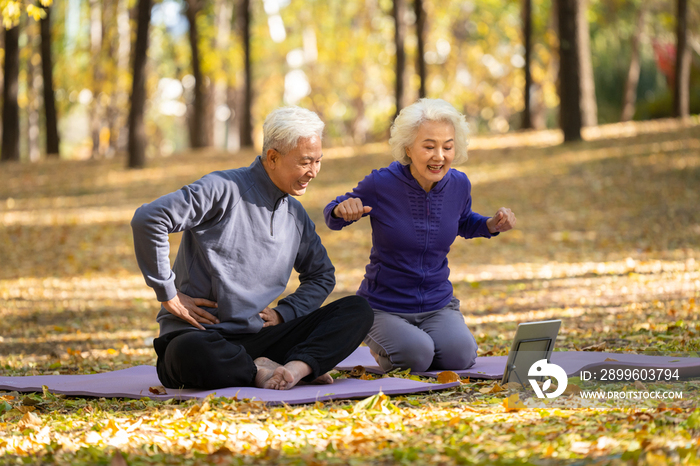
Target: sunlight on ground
x,y
608,240
592,245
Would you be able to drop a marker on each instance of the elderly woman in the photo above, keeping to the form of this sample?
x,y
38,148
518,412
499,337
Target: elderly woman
x,y
417,206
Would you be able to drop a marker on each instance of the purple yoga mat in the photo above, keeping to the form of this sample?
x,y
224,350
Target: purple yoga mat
x,y
134,382
492,367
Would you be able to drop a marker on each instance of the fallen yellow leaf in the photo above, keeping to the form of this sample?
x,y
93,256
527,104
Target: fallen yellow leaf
x,y
572,389
513,403
29,420
654,459
447,377
495,388
639,385
598,347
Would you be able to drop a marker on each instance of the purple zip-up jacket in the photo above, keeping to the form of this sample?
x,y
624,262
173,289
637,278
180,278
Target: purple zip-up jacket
x,y
412,231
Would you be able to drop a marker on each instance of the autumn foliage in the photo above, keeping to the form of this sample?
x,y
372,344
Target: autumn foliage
x,y
608,240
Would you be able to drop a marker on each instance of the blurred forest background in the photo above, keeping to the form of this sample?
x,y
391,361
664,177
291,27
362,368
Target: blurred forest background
x,y
80,75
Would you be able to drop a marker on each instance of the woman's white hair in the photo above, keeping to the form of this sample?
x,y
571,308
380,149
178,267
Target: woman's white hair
x,y
405,127
284,127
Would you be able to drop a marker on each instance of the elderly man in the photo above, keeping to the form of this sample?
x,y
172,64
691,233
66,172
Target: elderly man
x,y
243,234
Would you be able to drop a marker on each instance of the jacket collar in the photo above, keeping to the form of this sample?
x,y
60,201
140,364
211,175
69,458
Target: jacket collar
x,y
403,172
269,191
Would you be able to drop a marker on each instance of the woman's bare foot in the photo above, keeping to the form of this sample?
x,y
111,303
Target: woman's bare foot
x,y
374,355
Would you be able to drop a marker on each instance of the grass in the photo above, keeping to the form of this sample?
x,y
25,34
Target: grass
x,y
608,240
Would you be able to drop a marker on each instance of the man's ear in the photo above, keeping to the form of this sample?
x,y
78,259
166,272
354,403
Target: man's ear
x,y
272,157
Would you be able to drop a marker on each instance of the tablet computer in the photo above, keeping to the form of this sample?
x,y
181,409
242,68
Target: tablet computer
x,y
533,341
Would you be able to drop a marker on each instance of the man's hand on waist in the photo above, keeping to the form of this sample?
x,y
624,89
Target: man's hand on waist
x,y
187,309
270,317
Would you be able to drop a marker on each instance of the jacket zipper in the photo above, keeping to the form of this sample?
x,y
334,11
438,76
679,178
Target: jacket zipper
x,y
272,217
425,249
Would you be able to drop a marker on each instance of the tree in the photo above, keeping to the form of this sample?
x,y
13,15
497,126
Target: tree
x,y
10,107
119,51
200,124
399,13
31,93
421,34
137,134
569,70
247,110
52,138
681,86
96,44
527,42
630,92
219,89
589,107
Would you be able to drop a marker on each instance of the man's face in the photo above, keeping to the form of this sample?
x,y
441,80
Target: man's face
x,y
293,171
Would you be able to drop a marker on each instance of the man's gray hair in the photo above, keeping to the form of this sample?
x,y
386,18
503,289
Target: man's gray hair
x,y
284,127
405,127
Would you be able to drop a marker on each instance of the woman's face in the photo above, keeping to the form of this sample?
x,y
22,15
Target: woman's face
x,y
432,152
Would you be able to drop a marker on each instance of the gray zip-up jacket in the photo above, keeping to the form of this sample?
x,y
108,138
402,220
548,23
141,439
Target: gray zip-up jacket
x,y
242,237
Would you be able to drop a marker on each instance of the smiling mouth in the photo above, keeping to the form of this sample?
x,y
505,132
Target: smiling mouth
x,y
434,167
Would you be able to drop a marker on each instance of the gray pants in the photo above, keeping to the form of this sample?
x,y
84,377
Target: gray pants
x,y
425,341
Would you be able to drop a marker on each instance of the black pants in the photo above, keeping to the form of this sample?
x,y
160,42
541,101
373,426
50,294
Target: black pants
x,y
207,359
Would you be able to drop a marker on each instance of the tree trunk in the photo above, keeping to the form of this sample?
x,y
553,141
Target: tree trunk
x,y
630,93
399,39
115,117
111,110
32,95
96,33
589,106
681,88
420,59
10,107
527,41
233,125
2,47
246,117
198,128
219,94
137,134
52,138
569,70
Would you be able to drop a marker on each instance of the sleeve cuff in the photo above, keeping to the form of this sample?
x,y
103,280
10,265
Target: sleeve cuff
x,y
485,230
166,292
286,311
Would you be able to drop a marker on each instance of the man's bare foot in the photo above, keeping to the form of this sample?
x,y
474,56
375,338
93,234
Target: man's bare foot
x,y
276,377
271,375
281,379
323,379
